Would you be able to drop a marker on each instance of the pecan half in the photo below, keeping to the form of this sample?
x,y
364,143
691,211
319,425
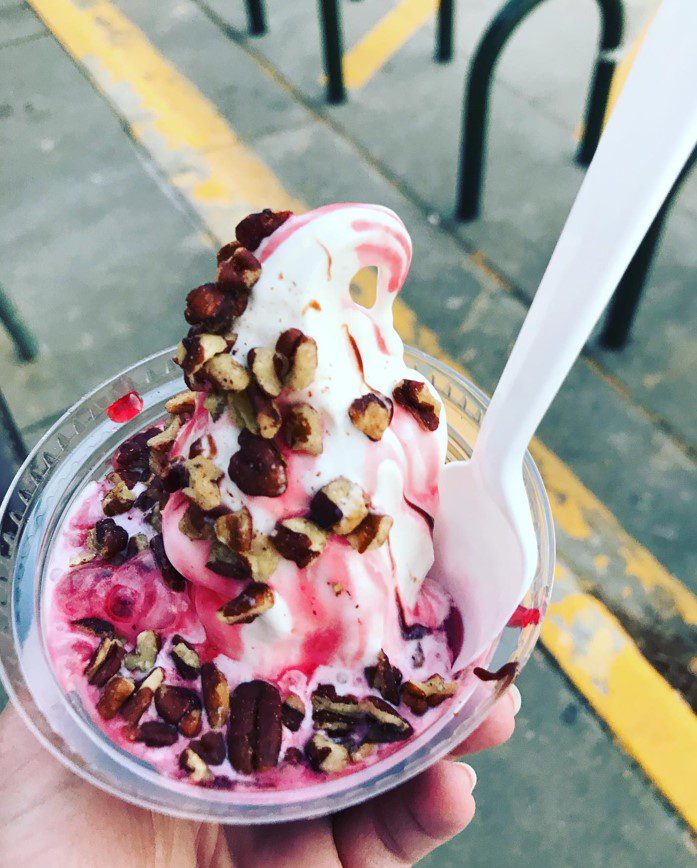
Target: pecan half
x,y
211,748
216,695
246,607
239,272
119,498
95,627
184,402
163,441
262,363
385,678
173,703
254,228
385,723
116,692
371,533
195,767
296,359
146,651
340,506
336,714
107,539
235,530
195,350
255,730
371,414
171,576
258,468
139,702
155,733
422,695
302,429
203,487
105,661
185,658
225,373
293,712
417,398
325,755
299,540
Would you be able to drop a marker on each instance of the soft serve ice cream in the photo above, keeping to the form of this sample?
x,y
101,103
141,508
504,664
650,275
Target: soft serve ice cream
x,y
244,599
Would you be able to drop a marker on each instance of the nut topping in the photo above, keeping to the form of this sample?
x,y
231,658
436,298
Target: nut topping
x,y
246,607
417,398
325,755
95,627
119,498
267,418
254,732
170,576
210,747
371,414
147,648
299,540
185,658
235,529
136,544
253,229
173,703
293,712
385,678
136,706
154,733
107,539
239,272
116,692
225,373
296,359
212,310
194,351
385,724
105,661
203,487
163,441
336,714
226,251
262,363
371,533
339,506
422,695
190,724
193,524
184,402
302,429
195,767
258,468
216,695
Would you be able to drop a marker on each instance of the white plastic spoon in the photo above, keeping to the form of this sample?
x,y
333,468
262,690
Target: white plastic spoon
x,y
485,544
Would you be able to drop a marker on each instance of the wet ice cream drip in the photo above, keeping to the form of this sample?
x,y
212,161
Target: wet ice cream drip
x,y
244,599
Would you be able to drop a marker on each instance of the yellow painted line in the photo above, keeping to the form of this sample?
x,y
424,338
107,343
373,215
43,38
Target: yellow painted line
x,y
384,40
222,179
623,69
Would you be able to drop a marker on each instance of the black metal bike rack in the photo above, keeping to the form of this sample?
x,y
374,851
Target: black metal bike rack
x,y
256,17
23,339
475,110
623,306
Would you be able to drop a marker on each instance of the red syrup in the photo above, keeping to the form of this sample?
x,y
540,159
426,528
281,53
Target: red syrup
x,y
125,408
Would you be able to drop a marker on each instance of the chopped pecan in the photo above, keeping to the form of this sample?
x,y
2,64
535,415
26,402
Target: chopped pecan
x,y
296,359
263,558
259,563
107,539
262,363
371,414
371,533
105,661
147,648
267,417
172,703
362,752
194,766
203,487
210,747
195,525
254,228
246,607
336,714
340,506
116,692
136,544
422,695
239,272
385,723
136,706
255,730
119,498
293,756
385,678
506,674
171,576
155,733
225,373
131,458
325,755
95,627
185,658
417,398
163,441
258,468
190,724
302,429
184,402
216,695
240,406
226,251
212,310
195,350
216,404
299,540
293,712
235,530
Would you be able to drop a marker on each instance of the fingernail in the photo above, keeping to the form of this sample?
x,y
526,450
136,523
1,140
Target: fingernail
x,y
516,698
472,775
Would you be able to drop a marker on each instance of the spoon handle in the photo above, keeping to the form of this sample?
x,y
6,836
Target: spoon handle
x,y
647,142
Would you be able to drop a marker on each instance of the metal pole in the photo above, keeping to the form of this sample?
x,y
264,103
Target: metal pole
x,y
24,340
330,20
445,27
256,16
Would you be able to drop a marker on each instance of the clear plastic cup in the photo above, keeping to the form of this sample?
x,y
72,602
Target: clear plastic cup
x,y
75,451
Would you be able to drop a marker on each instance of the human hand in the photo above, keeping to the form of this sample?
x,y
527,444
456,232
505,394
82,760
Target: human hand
x,y
48,816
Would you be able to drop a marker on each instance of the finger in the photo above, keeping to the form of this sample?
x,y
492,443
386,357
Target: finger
x,y
406,824
496,729
285,845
